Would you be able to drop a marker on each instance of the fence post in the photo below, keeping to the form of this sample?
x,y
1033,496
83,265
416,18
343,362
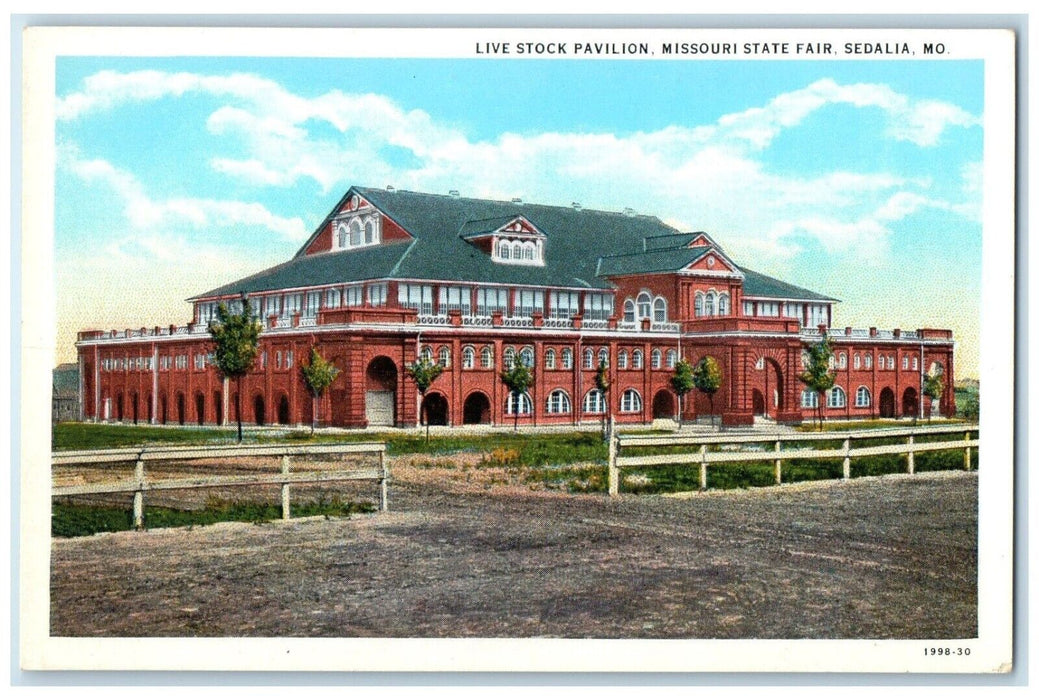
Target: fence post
x,y
384,493
703,467
847,457
911,458
138,495
612,473
286,508
966,451
779,464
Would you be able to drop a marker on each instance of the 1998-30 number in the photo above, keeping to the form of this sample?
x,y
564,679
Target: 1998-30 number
x,y
946,651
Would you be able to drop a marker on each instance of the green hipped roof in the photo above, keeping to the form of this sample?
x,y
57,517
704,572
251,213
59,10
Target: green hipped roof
x,y
756,284
662,260
575,241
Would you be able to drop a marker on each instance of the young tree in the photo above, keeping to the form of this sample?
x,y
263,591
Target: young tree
x,y
707,378
683,381
934,387
318,376
424,373
602,383
517,379
817,375
237,339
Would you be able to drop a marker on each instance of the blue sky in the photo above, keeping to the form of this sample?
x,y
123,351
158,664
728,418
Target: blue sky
x,y
861,180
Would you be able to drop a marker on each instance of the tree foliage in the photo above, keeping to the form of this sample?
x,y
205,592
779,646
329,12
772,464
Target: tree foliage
x,y
517,379
424,372
683,381
934,387
602,383
237,343
817,375
707,378
318,376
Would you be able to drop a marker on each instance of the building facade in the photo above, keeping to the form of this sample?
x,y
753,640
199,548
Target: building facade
x,y
391,276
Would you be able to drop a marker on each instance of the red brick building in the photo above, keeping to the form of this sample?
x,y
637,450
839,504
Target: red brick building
x,y
390,275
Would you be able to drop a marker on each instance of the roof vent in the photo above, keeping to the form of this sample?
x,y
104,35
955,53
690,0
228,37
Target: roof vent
x,y
517,200
453,193
628,211
576,205
389,188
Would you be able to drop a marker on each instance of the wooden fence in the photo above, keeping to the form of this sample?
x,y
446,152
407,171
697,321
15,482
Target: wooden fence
x,y
702,456
139,484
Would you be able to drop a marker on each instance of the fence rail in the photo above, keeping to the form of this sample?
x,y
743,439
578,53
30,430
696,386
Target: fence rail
x,y
777,454
139,484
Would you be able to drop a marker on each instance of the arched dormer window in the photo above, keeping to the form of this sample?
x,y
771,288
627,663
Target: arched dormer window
x,y
659,310
355,232
504,250
528,250
342,236
644,303
369,231
517,251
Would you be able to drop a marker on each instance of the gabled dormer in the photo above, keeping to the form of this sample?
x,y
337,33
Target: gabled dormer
x,y
712,261
509,240
354,223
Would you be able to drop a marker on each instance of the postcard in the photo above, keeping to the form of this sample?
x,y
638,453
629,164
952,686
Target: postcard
x,y
517,349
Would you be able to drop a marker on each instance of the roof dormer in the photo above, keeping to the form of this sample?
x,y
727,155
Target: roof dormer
x,y
511,240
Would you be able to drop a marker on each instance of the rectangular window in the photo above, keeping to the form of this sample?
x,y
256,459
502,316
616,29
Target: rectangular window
x,y
272,305
748,308
768,308
353,296
455,299
416,296
526,301
313,303
818,314
563,304
598,307
377,294
277,360
792,309
293,303
288,360
490,300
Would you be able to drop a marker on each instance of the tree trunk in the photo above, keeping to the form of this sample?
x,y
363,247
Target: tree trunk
x,y
515,412
424,416
238,405
313,413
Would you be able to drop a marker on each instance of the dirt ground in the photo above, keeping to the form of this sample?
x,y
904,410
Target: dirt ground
x,y
478,552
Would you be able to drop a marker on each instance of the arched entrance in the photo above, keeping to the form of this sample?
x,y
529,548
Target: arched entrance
x,y
437,412
259,411
180,408
200,407
283,410
664,404
134,404
218,406
759,403
148,402
380,392
119,407
887,403
910,402
477,409
163,409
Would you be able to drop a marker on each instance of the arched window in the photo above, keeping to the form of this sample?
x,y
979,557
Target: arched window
x,y
804,358
487,357
698,304
568,358
594,402
528,250
905,361
558,402
468,357
629,311
527,357
604,356
589,358
369,231
521,406
355,232
832,362
659,310
622,359
655,359
843,361
517,251
508,358
636,359
503,250
631,401
862,397
672,358
723,304
916,362
550,359
869,361
836,398
809,399
644,303
427,354
342,236
444,356
856,361
708,303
